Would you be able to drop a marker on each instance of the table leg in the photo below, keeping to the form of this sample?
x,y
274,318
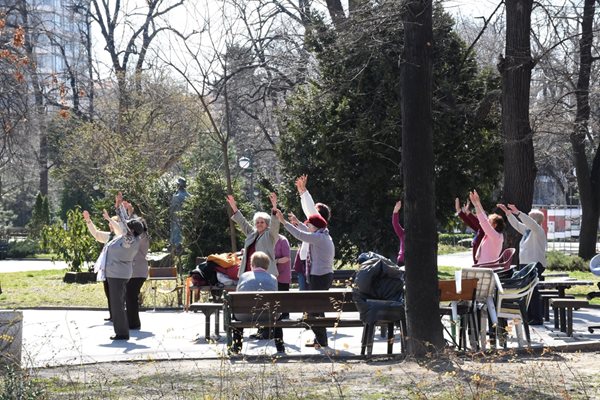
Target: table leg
x,y
217,327
207,325
562,311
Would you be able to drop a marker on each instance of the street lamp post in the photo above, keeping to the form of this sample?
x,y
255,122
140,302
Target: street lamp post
x,y
246,164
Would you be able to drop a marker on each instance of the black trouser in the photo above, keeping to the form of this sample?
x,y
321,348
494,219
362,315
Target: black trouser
x,y
117,305
107,293
277,334
132,301
283,287
320,282
535,311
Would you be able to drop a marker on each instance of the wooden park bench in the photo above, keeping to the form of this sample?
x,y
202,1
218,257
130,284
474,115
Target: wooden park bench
x,y
272,304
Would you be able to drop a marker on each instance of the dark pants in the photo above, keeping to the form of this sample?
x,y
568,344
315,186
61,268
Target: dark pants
x,y
117,288
277,334
132,301
320,282
283,287
535,311
107,294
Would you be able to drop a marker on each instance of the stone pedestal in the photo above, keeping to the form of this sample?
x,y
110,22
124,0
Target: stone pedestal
x,y
11,337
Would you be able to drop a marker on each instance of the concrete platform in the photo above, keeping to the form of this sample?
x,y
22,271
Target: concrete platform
x,y
73,337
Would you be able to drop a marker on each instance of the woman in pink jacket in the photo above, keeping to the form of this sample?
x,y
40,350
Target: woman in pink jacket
x,y
493,226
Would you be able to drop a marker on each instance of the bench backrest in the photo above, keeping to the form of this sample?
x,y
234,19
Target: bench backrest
x,y
312,301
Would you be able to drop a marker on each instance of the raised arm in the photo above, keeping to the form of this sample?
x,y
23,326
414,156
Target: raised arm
x,y
481,215
510,215
396,220
527,221
100,236
306,200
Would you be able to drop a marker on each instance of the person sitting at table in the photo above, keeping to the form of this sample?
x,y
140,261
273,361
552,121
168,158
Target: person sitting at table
x,y
258,279
532,249
492,226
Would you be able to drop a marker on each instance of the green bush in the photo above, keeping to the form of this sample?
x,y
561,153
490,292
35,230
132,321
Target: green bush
x,y
452,239
73,244
564,262
22,248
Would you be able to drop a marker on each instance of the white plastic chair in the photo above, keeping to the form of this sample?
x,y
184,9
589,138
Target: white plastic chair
x,y
484,296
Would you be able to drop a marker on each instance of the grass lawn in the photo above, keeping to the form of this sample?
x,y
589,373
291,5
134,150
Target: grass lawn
x,y
47,289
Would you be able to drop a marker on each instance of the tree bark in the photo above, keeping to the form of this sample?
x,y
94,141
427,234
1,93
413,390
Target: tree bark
x,y
588,180
515,68
422,296
336,12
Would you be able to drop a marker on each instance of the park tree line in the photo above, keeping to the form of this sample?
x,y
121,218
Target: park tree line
x,y
377,101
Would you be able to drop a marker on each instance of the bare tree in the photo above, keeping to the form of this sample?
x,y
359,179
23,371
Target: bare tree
x,y
133,47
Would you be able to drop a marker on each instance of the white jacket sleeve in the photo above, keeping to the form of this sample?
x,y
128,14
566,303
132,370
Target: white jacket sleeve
x,y
308,204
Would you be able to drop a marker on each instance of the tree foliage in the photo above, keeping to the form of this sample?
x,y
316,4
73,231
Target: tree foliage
x,y
343,130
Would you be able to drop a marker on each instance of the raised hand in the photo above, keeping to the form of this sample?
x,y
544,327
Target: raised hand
x,y
503,208
273,198
128,207
118,200
293,220
513,209
301,184
467,207
105,215
474,196
86,216
398,206
457,205
232,203
279,215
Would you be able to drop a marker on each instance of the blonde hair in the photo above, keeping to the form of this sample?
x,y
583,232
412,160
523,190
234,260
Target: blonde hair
x,y
260,260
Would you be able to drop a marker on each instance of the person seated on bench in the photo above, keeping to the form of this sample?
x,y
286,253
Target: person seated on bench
x,y
319,263
258,279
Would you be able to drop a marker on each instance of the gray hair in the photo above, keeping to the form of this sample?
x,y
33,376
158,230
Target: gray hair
x,y
537,216
260,260
262,215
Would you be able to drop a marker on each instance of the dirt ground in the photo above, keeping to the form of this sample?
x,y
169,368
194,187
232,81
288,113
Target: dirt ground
x,y
497,376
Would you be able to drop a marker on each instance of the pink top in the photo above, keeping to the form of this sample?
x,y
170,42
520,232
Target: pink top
x,y
491,244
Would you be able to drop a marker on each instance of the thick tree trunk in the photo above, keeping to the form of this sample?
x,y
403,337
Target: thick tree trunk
x,y
587,180
422,296
519,164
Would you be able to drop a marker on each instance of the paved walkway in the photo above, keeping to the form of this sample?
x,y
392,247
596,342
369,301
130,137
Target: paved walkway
x,y
72,337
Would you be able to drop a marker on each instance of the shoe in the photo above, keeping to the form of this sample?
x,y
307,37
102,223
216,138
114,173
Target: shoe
x,y
280,352
315,344
108,319
234,350
536,322
119,337
259,336
135,328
